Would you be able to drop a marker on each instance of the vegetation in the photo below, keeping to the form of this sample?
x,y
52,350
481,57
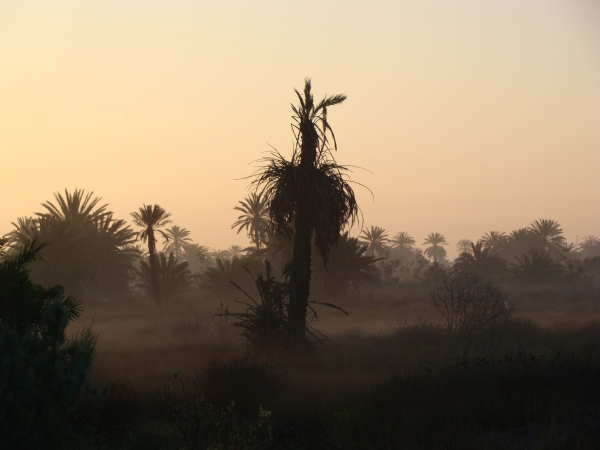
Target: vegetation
x,y
308,197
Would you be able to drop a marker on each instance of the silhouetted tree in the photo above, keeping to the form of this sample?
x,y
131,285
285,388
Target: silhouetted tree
x,y
404,244
151,218
482,260
535,266
376,242
174,277
348,268
235,251
435,250
176,240
589,246
494,240
464,246
254,218
550,232
308,198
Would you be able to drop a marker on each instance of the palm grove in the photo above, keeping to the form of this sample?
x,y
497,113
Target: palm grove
x,y
297,220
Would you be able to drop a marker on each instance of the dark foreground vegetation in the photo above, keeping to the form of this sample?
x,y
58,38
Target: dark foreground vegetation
x,y
307,339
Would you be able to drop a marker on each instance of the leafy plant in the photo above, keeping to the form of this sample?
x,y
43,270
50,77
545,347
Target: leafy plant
x,y
174,277
203,426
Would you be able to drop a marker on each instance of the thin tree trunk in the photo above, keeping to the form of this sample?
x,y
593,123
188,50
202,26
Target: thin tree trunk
x,y
154,267
257,239
300,275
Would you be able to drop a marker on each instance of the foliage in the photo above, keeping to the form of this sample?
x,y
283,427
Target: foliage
x,y
151,218
174,277
348,268
376,242
535,266
435,251
176,240
21,301
43,374
254,218
308,197
482,260
493,240
467,303
589,246
217,279
550,233
202,426
89,252
464,246
264,323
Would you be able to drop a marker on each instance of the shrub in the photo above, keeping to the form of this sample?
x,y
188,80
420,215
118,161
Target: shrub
x,y
203,426
43,375
467,303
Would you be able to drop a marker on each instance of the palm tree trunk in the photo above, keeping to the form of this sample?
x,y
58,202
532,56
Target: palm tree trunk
x,y
300,275
256,238
154,267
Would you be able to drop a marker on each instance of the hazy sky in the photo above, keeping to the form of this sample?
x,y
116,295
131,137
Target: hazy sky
x,y
471,115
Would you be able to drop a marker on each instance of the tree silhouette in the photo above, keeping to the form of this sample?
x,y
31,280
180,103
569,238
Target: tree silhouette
x,y
176,240
151,218
589,246
550,232
376,241
174,277
308,197
482,260
254,218
464,246
435,250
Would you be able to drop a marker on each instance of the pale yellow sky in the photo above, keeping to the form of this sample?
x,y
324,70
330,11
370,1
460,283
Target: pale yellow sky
x,y
471,116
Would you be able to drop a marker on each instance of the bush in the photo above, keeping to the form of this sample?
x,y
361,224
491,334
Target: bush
x,y
203,426
467,303
42,378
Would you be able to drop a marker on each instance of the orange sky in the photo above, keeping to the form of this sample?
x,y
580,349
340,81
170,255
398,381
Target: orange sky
x,y
471,116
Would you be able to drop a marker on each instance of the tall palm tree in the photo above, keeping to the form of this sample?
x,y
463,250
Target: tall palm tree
x,y
151,218
254,218
309,197
404,245
376,241
482,260
464,246
435,250
177,239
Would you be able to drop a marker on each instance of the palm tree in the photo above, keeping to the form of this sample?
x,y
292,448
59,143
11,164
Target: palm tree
x,y
589,246
482,260
375,239
550,232
494,240
176,240
464,246
535,266
309,198
151,218
254,218
175,277
435,251
74,208
235,251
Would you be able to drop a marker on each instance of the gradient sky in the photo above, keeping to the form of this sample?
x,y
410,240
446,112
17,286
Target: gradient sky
x,y
469,116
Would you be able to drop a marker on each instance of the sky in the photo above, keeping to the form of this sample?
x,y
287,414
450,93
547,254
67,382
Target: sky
x,y
462,117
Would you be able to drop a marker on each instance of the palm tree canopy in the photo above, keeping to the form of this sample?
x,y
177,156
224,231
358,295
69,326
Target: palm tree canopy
x,y
494,239
435,251
376,241
176,240
549,230
464,246
150,217
74,208
311,185
403,240
254,218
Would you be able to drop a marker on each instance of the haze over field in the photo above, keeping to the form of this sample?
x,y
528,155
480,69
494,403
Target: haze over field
x,y
471,117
